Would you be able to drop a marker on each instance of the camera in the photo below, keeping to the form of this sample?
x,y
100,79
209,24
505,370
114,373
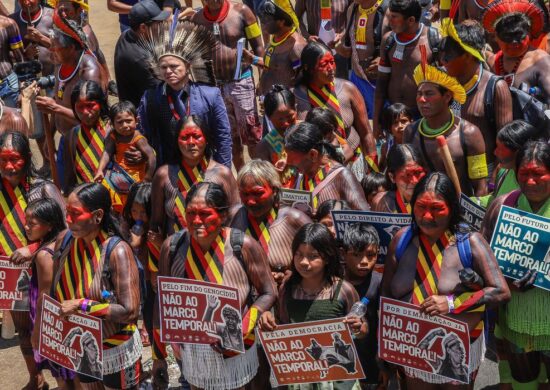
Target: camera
x,y
28,71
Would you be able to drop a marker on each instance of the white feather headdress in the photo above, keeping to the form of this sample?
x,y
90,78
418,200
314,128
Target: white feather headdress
x,y
186,40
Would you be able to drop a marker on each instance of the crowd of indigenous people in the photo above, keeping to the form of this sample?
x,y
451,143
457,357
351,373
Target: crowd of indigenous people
x,y
174,164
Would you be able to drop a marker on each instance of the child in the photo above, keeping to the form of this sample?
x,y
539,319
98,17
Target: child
x,y
122,175
324,215
374,183
394,120
360,250
135,224
316,290
44,220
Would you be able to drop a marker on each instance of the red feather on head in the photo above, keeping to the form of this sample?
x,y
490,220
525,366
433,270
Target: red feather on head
x,y
423,58
66,28
497,9
454,9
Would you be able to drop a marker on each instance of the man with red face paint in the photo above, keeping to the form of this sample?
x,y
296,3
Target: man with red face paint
x,y
525,323
193,164
230,22
394,83
212,367
436,92
521,65
431,243
404,170
17,189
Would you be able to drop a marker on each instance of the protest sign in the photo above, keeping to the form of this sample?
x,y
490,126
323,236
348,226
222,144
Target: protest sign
x,y
472,212
198,312
521,242
301,200
14,285
437,344
386,224
74,342
310,352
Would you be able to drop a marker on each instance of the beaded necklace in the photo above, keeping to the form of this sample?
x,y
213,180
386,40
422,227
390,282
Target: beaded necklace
x,y
428,132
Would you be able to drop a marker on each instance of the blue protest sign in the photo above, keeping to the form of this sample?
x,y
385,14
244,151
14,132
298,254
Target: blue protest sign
x,y
521,242
386,224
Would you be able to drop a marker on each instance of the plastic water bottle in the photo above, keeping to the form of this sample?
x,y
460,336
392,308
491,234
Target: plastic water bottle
x,y
137,229
359,309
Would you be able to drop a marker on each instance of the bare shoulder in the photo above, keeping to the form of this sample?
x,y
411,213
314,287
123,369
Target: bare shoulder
x,y
470,129
220,170
294,216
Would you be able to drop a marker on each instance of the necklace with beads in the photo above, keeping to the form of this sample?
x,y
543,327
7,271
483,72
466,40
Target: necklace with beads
x,y
428,132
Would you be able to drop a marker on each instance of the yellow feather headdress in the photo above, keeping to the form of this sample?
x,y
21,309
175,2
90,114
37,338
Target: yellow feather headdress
x,y
425,73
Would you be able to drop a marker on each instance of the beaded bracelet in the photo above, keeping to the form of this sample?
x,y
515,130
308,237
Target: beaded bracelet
x,y
84,305
451,303
255,60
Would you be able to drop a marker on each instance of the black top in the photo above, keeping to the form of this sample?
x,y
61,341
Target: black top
x,y
132,72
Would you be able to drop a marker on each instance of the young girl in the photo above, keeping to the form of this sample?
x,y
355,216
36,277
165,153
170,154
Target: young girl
x,y
122,174
316,289
43,222
394,120
135,223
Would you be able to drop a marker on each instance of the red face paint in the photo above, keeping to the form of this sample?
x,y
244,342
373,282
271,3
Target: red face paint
x,y
191,136
430,210
326,63
10,160
533,173
410,174
77,214
256,195
515,49
208,218
85,106
503,153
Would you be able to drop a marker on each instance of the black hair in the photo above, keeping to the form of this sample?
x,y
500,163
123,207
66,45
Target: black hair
x,y
538,151
139,193
214,197
360,235
445,188
471,32
407,8
20,144
319,237
398,156
94,196
121,107
268,8
323,118
328,205
372,181
514,135
208,135
310,56
48,211
391,113
305,136
277,96
513,27
92,91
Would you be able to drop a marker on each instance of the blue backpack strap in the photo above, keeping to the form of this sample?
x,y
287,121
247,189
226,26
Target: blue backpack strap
x,y
403,243
464,249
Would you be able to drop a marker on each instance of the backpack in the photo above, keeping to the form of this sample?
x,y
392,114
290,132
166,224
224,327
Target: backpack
x,y
462,243
433,40
180,240
378,24
106,272
524,106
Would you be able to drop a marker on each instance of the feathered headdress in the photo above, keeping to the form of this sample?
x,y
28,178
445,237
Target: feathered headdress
x,y
185,40
499,8
425,73
70,28
448,30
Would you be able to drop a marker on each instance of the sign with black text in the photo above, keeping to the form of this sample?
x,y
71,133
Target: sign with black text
x,y
311,352
198,312
472,212
74,342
